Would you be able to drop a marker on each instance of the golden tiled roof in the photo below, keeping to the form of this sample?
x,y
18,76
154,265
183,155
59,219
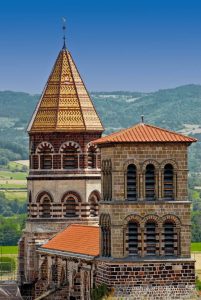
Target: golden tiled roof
x,y
65,104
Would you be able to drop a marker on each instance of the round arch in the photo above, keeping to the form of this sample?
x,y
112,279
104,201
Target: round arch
x,y
41,195
132,218
171,218
169,161
73,194
73,144
150,162
44,146
131,162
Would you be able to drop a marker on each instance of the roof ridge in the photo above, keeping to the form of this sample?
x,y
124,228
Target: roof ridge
x,y
82,225
68,52
170,131
142,132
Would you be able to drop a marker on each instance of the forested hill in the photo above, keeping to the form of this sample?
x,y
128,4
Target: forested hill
x,y
178,109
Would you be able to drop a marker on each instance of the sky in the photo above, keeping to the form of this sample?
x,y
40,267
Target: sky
x,y
133,45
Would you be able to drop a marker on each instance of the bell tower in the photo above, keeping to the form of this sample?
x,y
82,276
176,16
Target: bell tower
x,y
64,177
145,224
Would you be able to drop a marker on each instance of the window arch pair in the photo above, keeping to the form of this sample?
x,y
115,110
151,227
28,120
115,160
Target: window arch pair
x,y
150,182
149,243
70,205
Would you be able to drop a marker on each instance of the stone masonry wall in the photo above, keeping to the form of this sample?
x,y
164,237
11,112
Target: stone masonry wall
x,y
141,154
148,280
122,212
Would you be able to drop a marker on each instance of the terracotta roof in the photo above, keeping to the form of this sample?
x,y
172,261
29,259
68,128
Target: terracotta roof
x,y
81,239
144,133
65,104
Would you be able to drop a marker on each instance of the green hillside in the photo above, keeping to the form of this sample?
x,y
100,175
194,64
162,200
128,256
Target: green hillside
x,y
177,109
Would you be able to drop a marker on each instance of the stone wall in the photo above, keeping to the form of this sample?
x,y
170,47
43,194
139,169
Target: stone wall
x,y
148,280
141,154
122,212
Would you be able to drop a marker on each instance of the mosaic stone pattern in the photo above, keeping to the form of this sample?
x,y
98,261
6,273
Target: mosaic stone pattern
x,y
65,104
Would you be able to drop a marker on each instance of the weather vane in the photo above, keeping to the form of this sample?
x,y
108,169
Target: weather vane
x,y
64,31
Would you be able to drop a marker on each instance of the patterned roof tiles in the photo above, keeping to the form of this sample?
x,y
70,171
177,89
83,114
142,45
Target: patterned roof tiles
x,y
79,239
65,104
144,133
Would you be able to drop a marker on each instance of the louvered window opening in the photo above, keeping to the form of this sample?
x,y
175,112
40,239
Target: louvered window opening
x,y
169,239
91,160
133,238
131,183
46,205
106,242
70,158
46,160
168,182
70,207
151,238
150,183
93,208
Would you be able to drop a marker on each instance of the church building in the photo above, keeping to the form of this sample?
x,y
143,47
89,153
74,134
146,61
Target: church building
x,y
110,210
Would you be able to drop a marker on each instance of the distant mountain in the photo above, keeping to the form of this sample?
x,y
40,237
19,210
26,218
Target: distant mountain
x,y
177,109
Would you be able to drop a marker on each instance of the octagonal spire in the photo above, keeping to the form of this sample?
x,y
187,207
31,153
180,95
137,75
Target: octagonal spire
x,y
65,104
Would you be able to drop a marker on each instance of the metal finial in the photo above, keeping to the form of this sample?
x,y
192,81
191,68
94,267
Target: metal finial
x,y
142,118
64,32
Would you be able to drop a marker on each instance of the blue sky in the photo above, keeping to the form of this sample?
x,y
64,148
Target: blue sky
x,y
136,45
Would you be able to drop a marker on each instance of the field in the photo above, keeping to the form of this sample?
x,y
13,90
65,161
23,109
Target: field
x,y
8,262
8,250
13,185
196,247
13,179
19,195
11,175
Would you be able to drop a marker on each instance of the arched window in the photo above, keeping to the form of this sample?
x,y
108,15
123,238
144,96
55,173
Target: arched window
x,y
131,183
91,157
169,238
70,158
70,207
105,235
168,182
150,238
150,191
107,179
46,159
93,203
46,207
133,238
45,150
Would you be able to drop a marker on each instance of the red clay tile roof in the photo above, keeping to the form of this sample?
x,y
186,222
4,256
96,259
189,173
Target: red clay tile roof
x,y
144,133
80,239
